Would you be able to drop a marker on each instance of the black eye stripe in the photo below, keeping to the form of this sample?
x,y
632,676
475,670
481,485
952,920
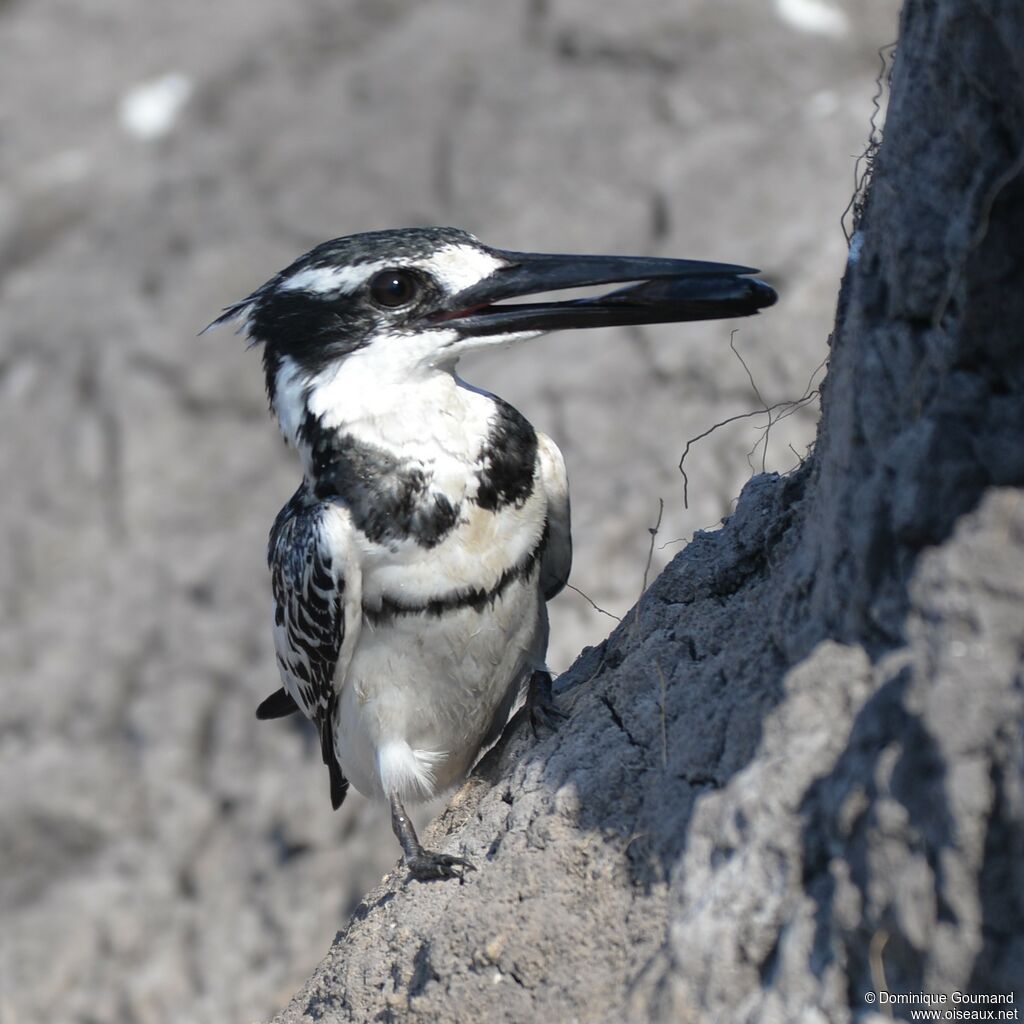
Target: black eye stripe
x,y
394,288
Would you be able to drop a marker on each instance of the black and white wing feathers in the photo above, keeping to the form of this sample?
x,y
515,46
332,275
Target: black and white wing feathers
x,y
309,621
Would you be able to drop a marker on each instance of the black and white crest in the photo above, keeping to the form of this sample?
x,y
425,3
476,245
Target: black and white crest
x,y
340,296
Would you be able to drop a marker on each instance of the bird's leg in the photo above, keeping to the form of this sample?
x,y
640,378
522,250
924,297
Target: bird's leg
x,y
541,703
423,865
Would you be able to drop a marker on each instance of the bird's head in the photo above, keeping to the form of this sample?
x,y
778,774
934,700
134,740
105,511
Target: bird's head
x,y
417,299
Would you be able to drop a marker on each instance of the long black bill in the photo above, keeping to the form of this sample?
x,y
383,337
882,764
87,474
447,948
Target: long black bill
x,y
668,291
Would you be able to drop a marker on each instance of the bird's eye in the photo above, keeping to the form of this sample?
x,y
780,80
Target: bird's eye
x,y
394,288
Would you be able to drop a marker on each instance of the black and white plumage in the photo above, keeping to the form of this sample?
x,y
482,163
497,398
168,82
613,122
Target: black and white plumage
x,y
410,570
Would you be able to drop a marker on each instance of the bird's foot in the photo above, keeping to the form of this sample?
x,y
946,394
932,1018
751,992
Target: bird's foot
x,y
426,866
541,704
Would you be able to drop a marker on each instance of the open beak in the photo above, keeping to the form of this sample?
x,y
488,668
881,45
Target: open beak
x,y
666,291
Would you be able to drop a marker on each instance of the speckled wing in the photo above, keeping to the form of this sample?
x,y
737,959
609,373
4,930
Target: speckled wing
x,y
308,583
556,561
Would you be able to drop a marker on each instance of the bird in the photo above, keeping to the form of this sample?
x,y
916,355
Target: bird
x,y
411,569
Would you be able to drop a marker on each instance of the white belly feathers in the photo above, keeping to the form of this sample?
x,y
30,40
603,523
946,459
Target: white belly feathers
x,y
424,693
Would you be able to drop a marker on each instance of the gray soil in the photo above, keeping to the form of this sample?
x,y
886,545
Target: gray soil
x,y
791,775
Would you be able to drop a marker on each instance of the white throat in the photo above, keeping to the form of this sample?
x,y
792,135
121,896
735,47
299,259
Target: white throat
x,y
419,411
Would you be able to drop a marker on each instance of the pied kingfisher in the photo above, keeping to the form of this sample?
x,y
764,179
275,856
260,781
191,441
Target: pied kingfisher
x,y
411,568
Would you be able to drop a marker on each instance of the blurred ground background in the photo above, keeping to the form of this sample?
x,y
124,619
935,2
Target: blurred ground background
x,y
164,857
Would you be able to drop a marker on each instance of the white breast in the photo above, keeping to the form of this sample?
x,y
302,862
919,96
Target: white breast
x,y
424,694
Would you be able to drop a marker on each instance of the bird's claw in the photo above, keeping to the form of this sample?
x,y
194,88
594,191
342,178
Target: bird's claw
x,y
548,716
426,866
541,705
